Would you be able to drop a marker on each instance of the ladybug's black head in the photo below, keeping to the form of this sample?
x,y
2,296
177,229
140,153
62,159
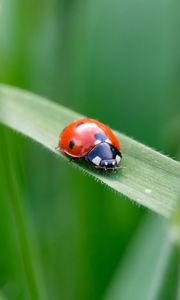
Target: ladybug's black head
x,y
104,156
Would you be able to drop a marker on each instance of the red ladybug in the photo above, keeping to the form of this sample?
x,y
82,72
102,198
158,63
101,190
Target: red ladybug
x,y
92,141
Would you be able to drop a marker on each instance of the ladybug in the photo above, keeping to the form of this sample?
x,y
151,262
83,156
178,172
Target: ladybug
x,y
91,141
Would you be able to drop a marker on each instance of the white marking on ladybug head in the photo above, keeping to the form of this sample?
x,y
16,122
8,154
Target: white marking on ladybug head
x,y
118,159
108,141
106,163
96,160
113,163
97,142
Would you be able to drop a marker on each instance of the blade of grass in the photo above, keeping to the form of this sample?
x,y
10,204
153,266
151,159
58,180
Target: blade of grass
x,y
147,258
153,258
2,297
175,238
147,177
31,272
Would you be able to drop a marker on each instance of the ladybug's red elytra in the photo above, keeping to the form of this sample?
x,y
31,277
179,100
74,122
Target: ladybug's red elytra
x,y
91,141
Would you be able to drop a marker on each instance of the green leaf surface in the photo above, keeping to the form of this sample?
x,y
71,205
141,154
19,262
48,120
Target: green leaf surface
x,y
147,177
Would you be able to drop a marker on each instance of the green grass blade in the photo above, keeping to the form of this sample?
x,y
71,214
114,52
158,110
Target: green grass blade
x,y
152,259
147,177
145,264
2,297
15,197
175,238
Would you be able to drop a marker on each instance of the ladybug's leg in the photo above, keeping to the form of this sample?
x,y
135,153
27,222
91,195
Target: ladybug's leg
x,y
57,148
75,159
120,154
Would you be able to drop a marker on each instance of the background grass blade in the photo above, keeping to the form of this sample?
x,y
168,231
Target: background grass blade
x,y
151,258
147,177
2,297
28,266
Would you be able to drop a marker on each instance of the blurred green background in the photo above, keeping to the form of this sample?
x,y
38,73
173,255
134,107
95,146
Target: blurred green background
x,y
62,233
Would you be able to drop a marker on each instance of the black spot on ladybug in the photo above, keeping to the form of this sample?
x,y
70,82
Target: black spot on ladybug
x,y
71,144
100,136
79,124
